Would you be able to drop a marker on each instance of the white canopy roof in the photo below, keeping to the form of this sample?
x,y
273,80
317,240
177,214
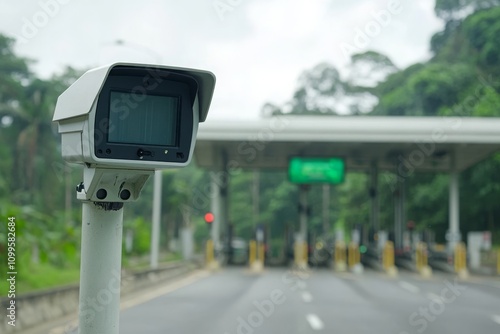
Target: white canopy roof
x,y
422,143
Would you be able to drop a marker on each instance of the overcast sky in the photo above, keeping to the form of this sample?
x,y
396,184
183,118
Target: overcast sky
x,y
256,48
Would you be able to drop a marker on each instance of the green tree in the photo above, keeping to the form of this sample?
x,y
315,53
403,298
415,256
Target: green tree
x,y
14,74
456,9
482,30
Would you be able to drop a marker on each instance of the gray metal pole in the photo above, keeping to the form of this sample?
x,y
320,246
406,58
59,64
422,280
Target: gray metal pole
x,y
397,216
402,211
224,209
100,271
215,208
326,209
256,198
375,204
454,207
155,229
303,212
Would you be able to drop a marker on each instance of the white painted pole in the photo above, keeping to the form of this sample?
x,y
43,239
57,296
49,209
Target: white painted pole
x,y
215,207
155,229
454,223
375,204
100,271
303,212
326,209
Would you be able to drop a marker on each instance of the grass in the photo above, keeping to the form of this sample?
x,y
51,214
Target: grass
x,y
45,276
42,276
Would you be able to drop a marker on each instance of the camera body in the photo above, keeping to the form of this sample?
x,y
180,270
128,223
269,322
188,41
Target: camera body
x,y
133,116
123,121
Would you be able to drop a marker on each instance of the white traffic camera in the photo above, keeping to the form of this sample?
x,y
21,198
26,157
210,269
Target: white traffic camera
x,y
123,121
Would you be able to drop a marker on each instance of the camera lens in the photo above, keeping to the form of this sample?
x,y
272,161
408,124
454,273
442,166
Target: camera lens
x,y
125,194
101,193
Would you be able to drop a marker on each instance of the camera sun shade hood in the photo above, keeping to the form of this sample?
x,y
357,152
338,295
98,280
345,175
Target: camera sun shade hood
x,y
91,83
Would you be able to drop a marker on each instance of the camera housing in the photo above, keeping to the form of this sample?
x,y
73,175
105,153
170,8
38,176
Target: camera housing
x,y
124,120
133,116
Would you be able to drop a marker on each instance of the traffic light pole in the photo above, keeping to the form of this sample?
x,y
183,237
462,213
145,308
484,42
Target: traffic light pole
x,y
100,270
155,229
215,209
303,212
302,242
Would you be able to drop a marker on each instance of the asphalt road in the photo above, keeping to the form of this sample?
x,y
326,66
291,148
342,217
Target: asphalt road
x,y
234,300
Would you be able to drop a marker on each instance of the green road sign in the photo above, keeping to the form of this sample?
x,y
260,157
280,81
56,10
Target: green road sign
x,y
316,170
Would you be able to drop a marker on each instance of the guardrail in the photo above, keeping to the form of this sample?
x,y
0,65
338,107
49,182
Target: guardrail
x,y
37,308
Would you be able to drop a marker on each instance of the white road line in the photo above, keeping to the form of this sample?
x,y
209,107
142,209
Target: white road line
x,y
435,298
307,297
73,325
302,285
315,322
145,297
496,318
409,287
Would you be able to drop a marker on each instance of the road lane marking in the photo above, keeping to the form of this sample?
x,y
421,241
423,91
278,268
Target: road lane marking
x,y
409,287
69,328
171,287
347,276
302,285
474,280
315,322
143,298
307,297
496,318
435,298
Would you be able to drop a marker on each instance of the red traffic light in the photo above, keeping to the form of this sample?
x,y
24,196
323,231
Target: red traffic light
x,y
209,218
410,225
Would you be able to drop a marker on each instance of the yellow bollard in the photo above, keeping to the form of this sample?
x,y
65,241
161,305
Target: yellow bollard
x,y
261,253
418,257
252,252
340,256
460,257
305,253
388,255
388,259
422,260
300,254
353,254
498,262
421,256
297,247
350,259
256,256
425,256
209,255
